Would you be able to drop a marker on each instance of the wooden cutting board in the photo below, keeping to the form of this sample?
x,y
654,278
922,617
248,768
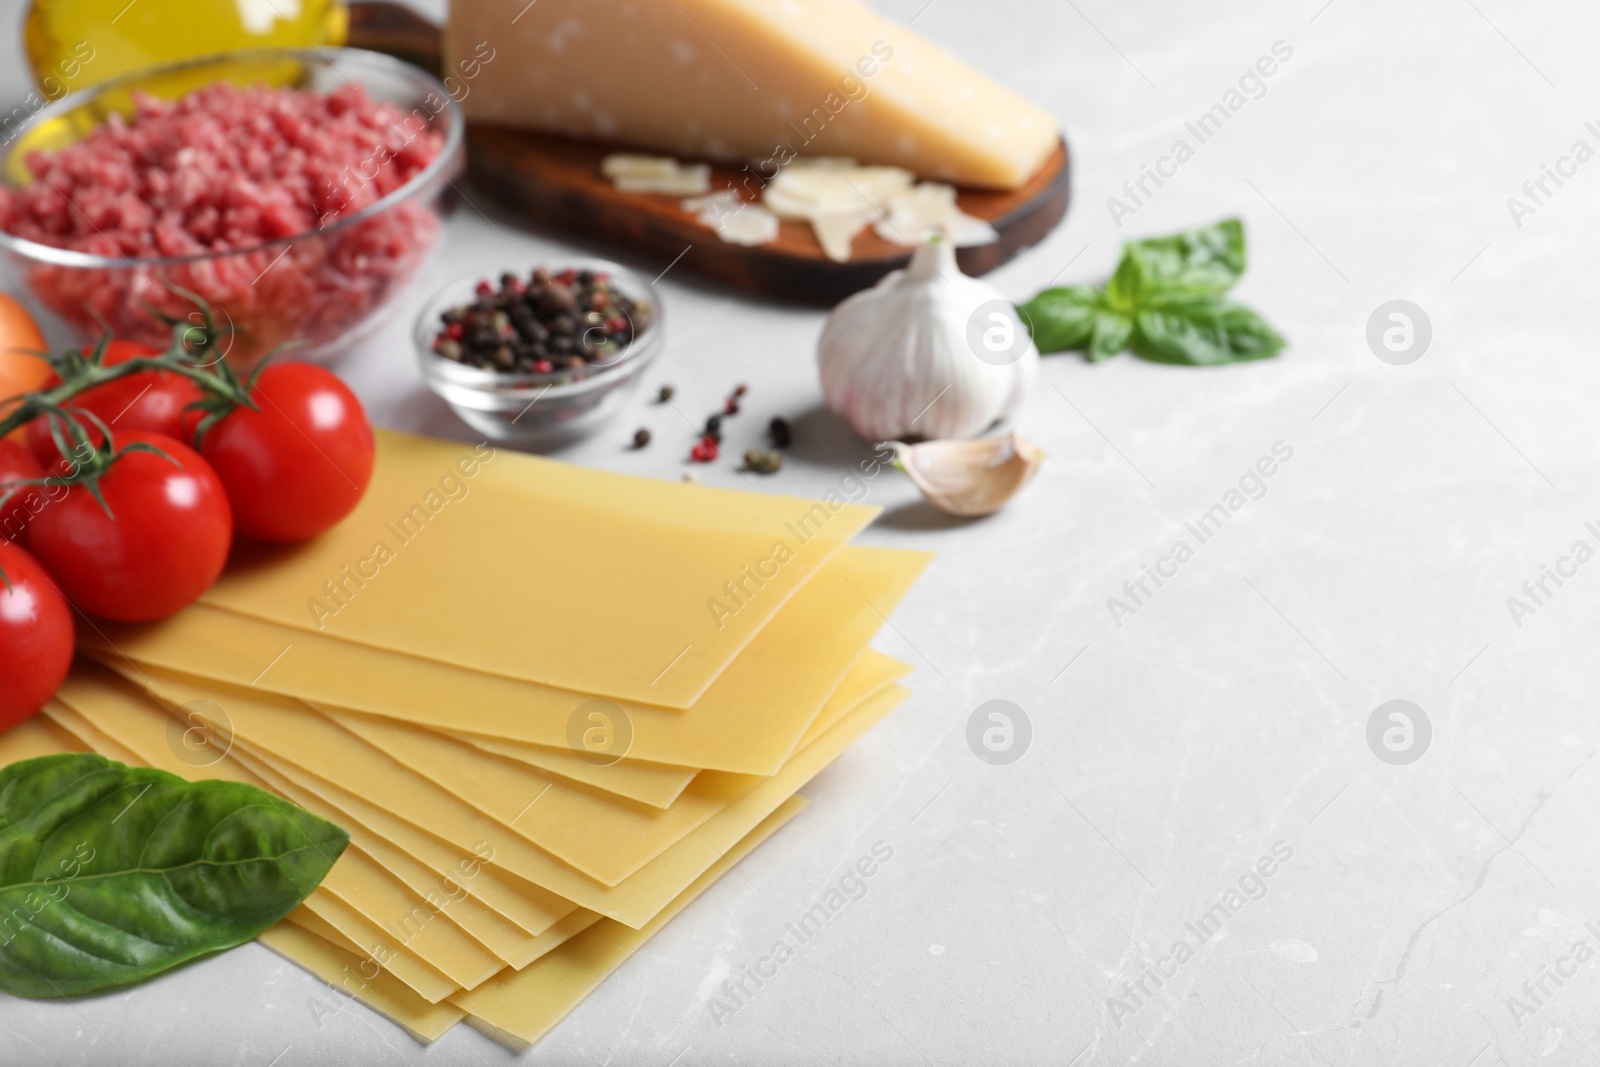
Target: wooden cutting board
x,y
556,182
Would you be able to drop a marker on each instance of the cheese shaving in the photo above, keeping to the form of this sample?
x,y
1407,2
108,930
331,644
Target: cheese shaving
x,y
735,221
656,174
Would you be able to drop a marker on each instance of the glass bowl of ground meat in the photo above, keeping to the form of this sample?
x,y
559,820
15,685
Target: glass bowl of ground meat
x,y
297,193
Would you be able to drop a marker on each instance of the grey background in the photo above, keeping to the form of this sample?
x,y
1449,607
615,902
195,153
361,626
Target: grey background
x,y
1229,712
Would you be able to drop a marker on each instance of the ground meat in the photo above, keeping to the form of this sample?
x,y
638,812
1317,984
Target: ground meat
x,y
227,168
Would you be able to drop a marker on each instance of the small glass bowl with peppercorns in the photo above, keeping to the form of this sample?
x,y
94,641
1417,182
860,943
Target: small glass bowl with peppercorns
x,y
539,358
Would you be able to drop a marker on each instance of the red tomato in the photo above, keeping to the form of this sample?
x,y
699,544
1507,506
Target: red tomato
x,y
35,636
163,544
299,464
150,400
18,465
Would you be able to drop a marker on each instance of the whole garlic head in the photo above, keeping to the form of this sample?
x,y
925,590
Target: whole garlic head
x,y
926,353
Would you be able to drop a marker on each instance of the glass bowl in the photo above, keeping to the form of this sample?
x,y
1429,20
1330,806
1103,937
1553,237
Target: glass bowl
x,y
326,288
540,411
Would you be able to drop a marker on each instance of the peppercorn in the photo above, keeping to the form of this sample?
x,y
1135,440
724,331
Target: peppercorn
x,y
714,425
555,298
664,395
779,433
573,320
740,390
731,407
641,438
763,462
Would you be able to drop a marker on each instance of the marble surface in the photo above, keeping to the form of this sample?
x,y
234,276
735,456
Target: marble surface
x,y
1221,730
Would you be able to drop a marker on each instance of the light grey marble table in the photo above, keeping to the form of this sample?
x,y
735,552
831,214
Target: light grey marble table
x,y
1415,913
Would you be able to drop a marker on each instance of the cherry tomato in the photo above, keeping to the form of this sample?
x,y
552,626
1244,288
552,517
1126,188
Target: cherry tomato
x,y
163,544
35,636
150,400
18,465
298,465
19,372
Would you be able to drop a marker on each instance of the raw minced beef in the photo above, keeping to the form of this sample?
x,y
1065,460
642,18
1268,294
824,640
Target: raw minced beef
x,y
227,169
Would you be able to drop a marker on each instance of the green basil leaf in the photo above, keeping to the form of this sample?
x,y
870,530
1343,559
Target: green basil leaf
x,y
1196,263
1126,289
1204,332
1061,320
1111,334
111,874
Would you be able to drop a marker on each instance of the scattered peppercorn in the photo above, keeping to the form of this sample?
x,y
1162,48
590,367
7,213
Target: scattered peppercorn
x,y
740,390
665,394
779,433
731,407
763,462
705,451
714,426
641,438
564,322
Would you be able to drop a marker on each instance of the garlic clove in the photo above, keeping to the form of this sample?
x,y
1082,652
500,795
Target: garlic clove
x,y
970,478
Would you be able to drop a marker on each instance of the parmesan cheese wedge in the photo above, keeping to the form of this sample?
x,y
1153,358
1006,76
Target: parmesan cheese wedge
x,y
745,80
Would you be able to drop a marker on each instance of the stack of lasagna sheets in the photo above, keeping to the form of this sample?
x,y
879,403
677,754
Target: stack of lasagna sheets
x,y
550,706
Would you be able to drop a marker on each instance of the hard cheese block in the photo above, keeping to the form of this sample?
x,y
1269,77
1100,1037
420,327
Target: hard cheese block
x,y
596,582
759,80
832,618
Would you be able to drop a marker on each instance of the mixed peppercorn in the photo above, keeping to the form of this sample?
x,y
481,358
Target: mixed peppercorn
x,y
567,322
709,445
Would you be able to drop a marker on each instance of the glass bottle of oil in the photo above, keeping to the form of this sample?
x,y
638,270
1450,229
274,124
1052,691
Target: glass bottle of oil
x,y
72,44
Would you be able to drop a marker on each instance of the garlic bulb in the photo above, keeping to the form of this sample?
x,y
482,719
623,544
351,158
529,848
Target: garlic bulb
x,y
970,478
927,352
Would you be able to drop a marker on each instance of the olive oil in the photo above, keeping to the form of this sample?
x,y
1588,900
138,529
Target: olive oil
x,y
72,44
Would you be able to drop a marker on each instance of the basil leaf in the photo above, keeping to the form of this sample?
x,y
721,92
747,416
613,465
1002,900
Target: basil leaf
x,y
1204,332
1061,320
1204,262
1126,289
1111,333
111,874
